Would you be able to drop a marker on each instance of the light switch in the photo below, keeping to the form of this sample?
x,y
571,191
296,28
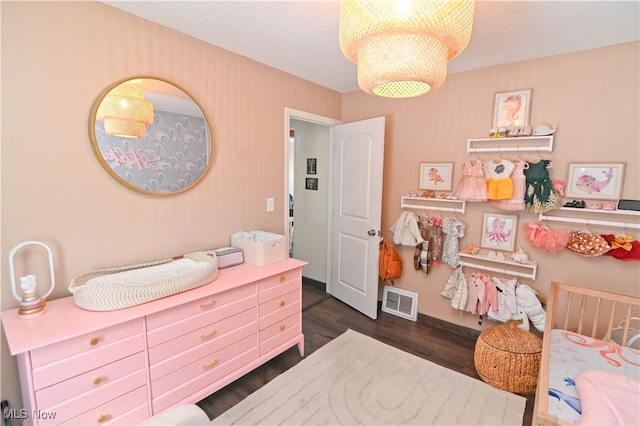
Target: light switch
x,y
270,205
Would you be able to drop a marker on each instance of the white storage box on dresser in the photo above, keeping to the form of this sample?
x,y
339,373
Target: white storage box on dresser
x,y
125,366
260,247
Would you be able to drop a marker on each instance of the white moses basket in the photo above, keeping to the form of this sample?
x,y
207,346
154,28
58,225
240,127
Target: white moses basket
x,y
122,287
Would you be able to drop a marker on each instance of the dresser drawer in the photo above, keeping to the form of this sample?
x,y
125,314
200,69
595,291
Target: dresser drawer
x,y
279,315
279,279
117,411
171,331
280,338
210,333
137,416
84,343
196,307
182,390
99,397
279,303
189,356
292,321
214,361
87,361
278,290
94,379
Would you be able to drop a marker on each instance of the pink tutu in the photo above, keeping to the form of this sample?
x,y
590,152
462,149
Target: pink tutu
x,y
546,239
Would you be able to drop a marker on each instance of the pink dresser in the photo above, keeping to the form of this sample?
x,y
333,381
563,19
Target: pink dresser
x,y
123,367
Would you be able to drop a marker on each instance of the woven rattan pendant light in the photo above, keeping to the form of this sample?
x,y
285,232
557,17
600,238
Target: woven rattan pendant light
x,y
125,112
402,47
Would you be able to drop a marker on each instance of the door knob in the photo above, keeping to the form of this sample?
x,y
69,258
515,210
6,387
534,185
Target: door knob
x,y
372,232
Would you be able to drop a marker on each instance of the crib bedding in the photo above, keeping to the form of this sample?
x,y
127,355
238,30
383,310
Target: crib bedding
x,y
570,354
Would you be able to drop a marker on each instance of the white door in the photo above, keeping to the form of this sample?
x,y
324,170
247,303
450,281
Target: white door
x,y
356,217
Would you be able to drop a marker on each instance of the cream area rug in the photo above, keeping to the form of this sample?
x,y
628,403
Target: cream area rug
x,y
357,380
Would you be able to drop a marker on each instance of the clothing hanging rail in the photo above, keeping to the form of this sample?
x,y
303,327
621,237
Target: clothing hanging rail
x,y
616,224
533,267
410,203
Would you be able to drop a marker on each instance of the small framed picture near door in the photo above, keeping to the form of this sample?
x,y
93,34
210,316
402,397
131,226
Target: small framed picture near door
x,y
436,176
311,166
499,231
311,183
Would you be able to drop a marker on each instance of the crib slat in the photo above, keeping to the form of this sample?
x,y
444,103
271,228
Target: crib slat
x,y
566,312
595,317
625,332
607,337
583,305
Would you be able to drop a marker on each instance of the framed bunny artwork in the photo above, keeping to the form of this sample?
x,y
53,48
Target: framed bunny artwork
x,y
499,231
512,109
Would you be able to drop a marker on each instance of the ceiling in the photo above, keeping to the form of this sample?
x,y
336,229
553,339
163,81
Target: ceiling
x,y
301,37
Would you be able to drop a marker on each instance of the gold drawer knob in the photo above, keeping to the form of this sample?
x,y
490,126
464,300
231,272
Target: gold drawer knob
x,y
102,418
282,303
97,380
94,341
211,364
281,278
204,336
206,305
282,328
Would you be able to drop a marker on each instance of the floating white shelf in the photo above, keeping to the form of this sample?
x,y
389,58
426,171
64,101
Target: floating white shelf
x,y
439,204
594,217
517,144
527,270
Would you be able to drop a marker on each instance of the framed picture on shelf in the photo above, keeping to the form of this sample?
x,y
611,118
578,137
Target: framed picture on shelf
x,y
512,109
499,231
436,176
597,181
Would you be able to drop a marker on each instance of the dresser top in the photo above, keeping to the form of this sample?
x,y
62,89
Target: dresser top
x,y
63,319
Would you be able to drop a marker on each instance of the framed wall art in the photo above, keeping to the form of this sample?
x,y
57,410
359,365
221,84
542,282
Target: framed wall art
x,y
311,183
599,181
311,166
436,176
499,231
512,109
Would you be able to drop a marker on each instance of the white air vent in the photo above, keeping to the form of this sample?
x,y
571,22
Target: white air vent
x,y
400,302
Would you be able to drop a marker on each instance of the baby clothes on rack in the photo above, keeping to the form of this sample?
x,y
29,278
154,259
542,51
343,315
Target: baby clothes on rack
x,y
477,293
529,308
498,176
540,196
472,186
518,179
456,289
544,238
454,230
431,231
507,304
405,230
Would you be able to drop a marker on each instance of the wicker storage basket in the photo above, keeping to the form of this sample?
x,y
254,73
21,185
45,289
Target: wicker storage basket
x,y
107,296
508,358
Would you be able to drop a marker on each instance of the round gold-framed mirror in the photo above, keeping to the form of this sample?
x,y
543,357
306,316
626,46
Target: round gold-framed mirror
x,y
151,135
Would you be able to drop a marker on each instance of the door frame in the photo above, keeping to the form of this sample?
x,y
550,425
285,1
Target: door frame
x,y
290,113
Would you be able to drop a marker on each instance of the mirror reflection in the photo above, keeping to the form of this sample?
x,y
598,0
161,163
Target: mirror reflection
x,y
151,135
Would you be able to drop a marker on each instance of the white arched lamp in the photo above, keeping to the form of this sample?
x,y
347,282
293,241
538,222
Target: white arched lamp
x,y
31,305
402,47
125,112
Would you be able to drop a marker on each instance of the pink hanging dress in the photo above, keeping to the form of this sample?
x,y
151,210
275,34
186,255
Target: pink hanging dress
x,y
472,185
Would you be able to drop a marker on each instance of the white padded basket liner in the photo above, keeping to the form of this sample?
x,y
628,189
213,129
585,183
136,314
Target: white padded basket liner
x,y
118,288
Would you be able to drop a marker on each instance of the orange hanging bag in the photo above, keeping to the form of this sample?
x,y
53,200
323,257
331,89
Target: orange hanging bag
x,y
390,262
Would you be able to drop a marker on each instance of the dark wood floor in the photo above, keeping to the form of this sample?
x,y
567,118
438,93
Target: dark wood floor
x,y
324,318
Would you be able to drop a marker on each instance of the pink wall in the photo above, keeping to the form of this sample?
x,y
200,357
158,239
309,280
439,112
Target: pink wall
x,y
593,98
57,57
